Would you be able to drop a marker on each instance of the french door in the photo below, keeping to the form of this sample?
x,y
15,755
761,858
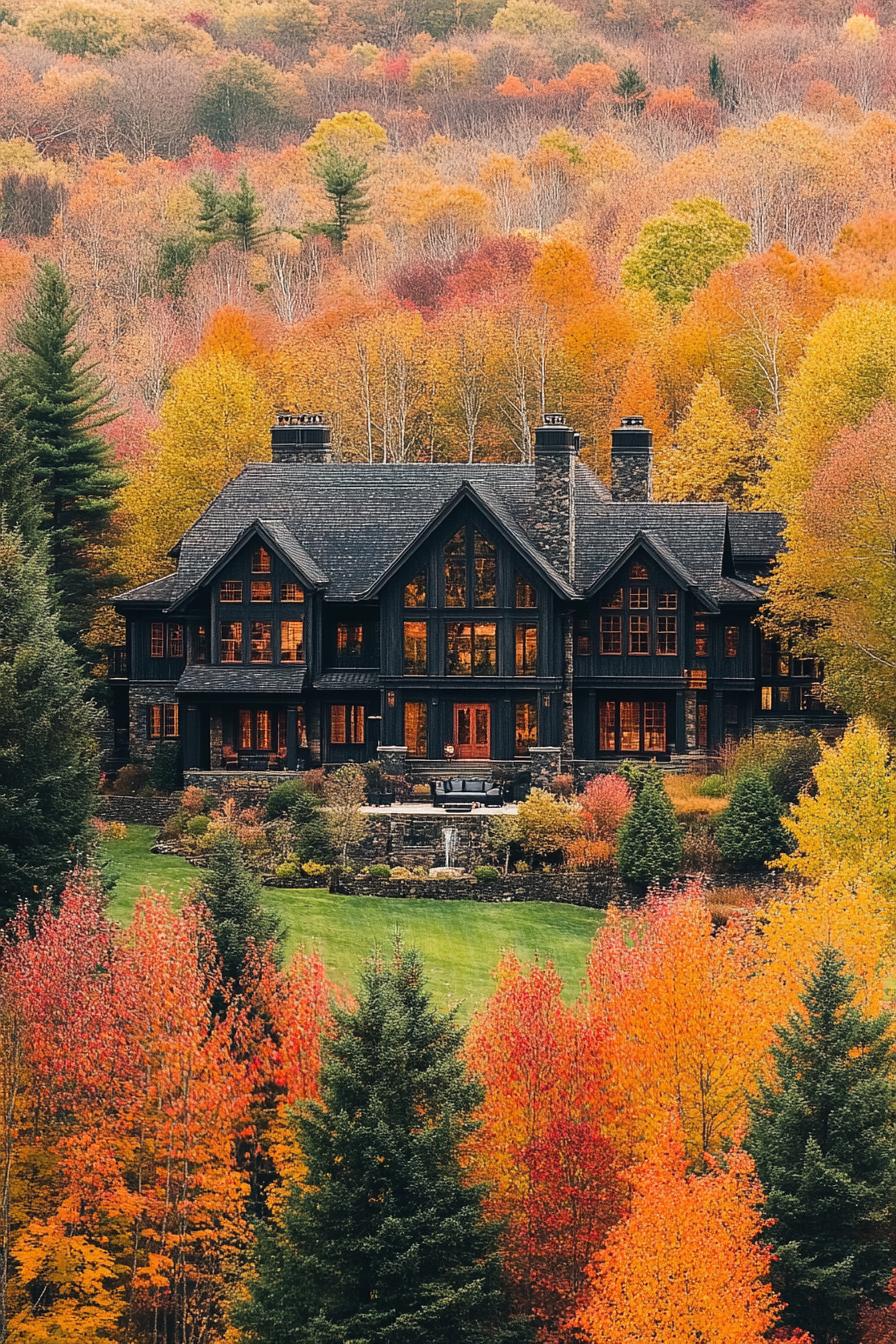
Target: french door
x,y
472,732
633,727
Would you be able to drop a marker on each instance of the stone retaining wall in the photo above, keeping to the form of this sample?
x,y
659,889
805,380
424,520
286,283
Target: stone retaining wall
x,y
595,890
135,809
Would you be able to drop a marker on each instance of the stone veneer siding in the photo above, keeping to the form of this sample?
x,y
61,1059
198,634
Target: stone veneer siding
x,y
141,694
554,524
631,476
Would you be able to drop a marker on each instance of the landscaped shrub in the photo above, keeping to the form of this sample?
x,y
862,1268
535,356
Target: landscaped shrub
x,y
563,786
312,841
400,872
315,871
306,805
166,771
109,830
713,786
700,849
786,757
313,781
688,800
286,873
195,800
649,846
749,832
379,871
198,825
605,802
130,779
586,853
547,824
485,873
283,798
636,775
174,826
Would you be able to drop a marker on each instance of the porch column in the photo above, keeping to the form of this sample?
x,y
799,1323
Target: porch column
x,y
292,737
191,745
682,737
216,740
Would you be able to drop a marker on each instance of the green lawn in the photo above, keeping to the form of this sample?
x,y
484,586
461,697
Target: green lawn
x,y
460,941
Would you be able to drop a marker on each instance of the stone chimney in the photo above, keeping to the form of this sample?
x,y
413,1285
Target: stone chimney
x,y
554,524
631,461
300,438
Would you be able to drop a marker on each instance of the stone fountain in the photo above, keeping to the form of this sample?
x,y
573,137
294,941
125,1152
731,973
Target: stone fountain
x,y
449,869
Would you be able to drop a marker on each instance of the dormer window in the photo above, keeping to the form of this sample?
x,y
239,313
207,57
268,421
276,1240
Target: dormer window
x,y
261,560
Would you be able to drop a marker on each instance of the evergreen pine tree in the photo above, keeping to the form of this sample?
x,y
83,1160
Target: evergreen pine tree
x,y
342,177
822,1136
649,848
630,93
749,832
48,761
61,403
19,497
233,898
212,222
243,213
384,1240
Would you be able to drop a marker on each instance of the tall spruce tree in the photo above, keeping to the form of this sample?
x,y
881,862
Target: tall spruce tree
x,y
822,1136
385,1239
749,832
233,897
342,177
243,216
61,402
649,845
48,760
19,497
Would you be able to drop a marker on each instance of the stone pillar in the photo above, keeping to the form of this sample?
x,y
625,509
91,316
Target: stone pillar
x,y
392,759
292,737
546,762
216,741
685,720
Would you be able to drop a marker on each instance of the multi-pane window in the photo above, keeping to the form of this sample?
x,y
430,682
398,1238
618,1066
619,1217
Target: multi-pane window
x,y
613,601
200,644
162,721
607,736
260,590
157,639
784,698
701,637
231,590
765,698
525,727
732,640
292,592
347,725
349,640
415,648
472,649
583,637
261,561
639,634
255,730
415,591
666,634
525,650
524,593
611,634
415,727
485,572
654,725
638,598
637,571
456,570
176,641
667,600
292,639
261,642
231,641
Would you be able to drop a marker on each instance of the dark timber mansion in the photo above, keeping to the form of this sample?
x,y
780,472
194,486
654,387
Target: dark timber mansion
x,y
323,611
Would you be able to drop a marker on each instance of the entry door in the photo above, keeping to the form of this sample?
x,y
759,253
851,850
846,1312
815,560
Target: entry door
x,y
473,731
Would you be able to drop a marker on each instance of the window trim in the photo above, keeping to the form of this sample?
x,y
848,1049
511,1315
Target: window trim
x,y
237,586
522,666
611,625
641,635
422,633
157,639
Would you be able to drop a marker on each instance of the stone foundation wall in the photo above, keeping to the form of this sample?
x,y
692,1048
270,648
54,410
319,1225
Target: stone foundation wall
x,y
135,810
418,841
249,788
596,890
141,694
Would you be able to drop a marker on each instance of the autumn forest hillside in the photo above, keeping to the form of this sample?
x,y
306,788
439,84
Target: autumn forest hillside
x,y
433,221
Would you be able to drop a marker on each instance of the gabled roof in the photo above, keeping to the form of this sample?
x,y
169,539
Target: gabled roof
x,y
664,557
280,540
503,520
355,519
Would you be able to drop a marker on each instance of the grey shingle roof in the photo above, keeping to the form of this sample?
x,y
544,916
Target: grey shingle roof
x,y
156,591
343,525
199,678
348,679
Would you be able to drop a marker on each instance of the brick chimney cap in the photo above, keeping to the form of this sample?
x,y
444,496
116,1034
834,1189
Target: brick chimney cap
x,y
632,420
